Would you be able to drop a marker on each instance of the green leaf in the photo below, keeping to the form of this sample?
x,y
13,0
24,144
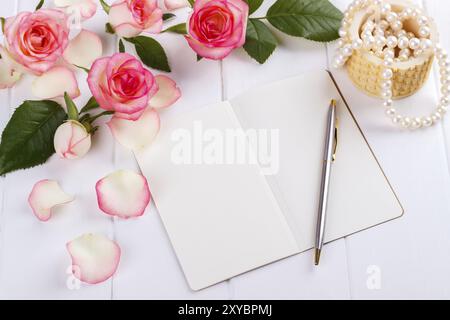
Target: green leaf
x,y
260,42
109,28
121,46
254,5
3,21
316,20
72,110
167,16
106,7
90,105
191,2
178,28
27,140
199,57
40,4
151,52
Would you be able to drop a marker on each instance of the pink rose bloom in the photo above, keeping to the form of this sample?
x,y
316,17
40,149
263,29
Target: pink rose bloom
x,y
121,83
217,27
37,40
130,18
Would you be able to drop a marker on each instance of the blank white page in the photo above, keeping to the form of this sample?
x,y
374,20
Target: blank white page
x,y
222,220
360,194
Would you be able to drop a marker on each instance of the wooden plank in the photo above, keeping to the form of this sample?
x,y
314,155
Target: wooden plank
x,y
295,277
409,256
34,261
149,266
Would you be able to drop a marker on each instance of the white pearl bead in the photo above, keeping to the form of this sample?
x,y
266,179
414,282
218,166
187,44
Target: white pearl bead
x,y
379,32
387,84
385,8
424,31
427,121
415,124
445,89
403,42
386,94
389,62
389,53
401,33
380,41
406,123
369,26
405,52
369,42
403,57
357,44
391,42
441,110
391,17
347,50
444,71
445,101
396,25
414,44
444,63
422,20
342,33
435,117
387,74
397,119
426,44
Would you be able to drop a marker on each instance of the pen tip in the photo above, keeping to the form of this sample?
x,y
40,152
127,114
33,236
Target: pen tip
x,y
317,256
333,103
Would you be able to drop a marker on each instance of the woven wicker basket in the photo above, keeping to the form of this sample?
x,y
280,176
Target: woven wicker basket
x,y
364,68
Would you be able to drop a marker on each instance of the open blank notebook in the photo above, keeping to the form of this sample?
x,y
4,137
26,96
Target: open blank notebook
x,y
226,219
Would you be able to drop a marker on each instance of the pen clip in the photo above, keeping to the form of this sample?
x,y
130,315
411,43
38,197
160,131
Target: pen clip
x,y
335,139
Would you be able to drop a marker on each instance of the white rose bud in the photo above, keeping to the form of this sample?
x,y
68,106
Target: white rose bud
x,y
72,140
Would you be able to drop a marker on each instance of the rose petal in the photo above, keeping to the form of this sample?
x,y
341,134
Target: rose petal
x,y
95,258
47,194
217,53
54,83
84,49
86,8
121,19
137,134
167,94
124,194
175,4
9,71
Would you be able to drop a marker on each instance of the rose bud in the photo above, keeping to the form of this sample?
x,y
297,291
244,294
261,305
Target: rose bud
x,y
72,140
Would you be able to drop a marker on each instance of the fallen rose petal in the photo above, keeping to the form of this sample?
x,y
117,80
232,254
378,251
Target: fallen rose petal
x,y
9,71
167,94
47,194
84,49
137,134
95,258
124,194
175,4
54,83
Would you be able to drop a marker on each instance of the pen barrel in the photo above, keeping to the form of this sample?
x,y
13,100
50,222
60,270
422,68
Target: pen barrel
x,y
325,179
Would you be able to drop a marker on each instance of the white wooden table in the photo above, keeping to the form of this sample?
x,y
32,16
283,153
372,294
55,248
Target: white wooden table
x,y
406,258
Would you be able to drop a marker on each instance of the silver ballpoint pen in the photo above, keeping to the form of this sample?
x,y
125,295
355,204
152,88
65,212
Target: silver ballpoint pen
x,y
328,158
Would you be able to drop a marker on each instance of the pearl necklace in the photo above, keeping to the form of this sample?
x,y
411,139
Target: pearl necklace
x,y
381,35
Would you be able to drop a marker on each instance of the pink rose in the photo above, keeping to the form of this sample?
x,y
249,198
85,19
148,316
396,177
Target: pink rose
x,y
121,83
217,27
130,18
37,40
